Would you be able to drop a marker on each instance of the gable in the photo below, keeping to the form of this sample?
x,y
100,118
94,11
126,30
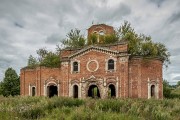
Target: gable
x,y
96,49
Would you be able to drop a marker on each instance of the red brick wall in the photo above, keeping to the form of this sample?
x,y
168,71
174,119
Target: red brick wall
x,y
140,71
106,28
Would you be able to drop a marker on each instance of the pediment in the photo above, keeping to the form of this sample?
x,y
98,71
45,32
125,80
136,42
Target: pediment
x,y
94,48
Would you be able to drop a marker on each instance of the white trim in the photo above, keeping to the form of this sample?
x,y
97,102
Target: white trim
x,y
47,84
117,85
30,89
71,90
156,85
97,65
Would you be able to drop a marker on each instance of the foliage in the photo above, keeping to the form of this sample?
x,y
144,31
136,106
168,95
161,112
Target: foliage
x,y
51,60
166,89
109,39
178,83
42,53
170,91
32,62
45,58
102,39
10,84
142,45
93,39
74,39
44,108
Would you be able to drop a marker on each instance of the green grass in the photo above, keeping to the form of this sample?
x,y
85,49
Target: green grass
x,y
61,108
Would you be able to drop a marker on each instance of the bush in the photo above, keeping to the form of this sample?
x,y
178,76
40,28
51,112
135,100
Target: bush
x,y
91,109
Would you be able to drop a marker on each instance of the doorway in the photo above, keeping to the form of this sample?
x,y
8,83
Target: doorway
x,y
52,91
111,91
93,92
75,91
152,91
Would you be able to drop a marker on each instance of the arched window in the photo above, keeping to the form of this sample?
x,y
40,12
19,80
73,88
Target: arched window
x,y
75,66
95,32
111,64
101,32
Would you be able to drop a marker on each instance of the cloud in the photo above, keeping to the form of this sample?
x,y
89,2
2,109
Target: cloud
x,y
177,78
54,38
175,17
157,2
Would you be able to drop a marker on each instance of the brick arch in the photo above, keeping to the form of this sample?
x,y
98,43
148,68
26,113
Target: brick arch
x,y
51,82
154,83
111,81
96,84
31,87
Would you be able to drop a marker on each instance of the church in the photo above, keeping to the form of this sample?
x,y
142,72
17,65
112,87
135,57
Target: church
x,y
97,71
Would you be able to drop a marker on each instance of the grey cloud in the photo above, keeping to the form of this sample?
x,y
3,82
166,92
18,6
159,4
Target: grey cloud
x,y
54,38
158,2
18,25
4,62
175,51
177,78
175,17
112,14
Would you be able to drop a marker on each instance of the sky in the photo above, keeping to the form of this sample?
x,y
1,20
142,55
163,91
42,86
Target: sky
x,y
27,25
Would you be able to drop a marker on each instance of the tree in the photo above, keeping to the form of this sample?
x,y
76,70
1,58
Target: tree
x,y
74,39
45,58
32,62
51,60
166,89
93,39
142,45
178,83
10,84
42,52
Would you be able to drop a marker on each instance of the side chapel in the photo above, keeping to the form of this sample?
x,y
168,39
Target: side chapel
x,y
96,71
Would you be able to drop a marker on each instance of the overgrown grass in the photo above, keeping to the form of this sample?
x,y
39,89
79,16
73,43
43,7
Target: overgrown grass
x,y
89,109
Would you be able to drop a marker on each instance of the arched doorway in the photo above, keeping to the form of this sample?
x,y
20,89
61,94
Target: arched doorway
x,y
75,91
33,91
93,92
152,90
52,90
112,91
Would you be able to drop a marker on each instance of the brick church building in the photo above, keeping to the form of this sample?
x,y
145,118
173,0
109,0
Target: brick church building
x,y
96,71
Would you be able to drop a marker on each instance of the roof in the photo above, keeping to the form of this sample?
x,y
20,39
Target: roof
x,y
100,25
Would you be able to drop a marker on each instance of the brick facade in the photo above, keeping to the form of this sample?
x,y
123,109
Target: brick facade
x,y
108,68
